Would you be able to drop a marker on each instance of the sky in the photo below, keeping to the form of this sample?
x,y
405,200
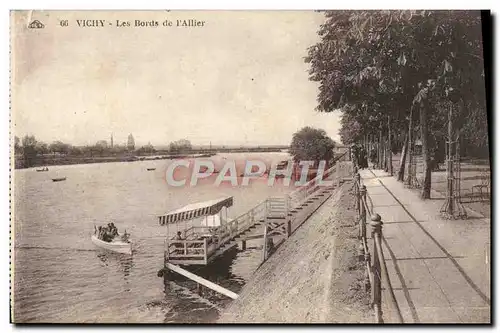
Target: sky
x,y
240,79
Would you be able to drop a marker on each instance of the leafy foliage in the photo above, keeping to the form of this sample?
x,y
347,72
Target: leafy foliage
x,y
311,144
377,65
180,146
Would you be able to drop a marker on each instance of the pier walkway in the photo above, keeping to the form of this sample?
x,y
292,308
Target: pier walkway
x,y
273,220
439,268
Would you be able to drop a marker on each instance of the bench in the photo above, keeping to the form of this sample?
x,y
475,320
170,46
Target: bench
x,y
483,187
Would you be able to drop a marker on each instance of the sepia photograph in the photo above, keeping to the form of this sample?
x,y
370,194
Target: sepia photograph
x,y
250,166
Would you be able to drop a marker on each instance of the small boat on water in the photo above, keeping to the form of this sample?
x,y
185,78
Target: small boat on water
x,y
151,169
42,169
114,246
60,179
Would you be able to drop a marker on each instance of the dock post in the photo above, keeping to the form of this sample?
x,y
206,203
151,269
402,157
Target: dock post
x,y
165,253
199,290
243,245
202,281
264,246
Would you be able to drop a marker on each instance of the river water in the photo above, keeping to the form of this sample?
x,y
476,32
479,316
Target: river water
x,y
59,275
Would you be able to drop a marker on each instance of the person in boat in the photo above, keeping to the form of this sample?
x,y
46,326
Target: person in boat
x,y
105,234
113,230
125,237
100,232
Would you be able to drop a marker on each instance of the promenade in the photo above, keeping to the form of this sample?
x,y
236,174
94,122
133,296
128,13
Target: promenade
x,y
439,268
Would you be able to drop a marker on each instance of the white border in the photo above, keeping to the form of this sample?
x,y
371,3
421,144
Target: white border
x,y
199,4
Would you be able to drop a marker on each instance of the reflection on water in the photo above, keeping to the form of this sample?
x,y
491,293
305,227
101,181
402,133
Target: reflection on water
x,y
59,276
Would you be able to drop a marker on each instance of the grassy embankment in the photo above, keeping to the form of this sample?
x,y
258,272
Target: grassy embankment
x,y
314,277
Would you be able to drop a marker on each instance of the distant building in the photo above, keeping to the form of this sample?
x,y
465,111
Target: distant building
x,y
130,142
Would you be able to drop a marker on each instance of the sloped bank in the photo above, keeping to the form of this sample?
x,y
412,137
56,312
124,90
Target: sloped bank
x,y
314,277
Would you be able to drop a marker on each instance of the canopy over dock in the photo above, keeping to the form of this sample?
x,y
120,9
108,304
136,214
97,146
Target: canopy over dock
x,y
196,210
197,244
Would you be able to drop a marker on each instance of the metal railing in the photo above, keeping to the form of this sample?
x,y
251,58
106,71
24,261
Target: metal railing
x,y
377,275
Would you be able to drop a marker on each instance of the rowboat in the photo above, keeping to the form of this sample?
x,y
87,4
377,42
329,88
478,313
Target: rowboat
x,y
58,179
42,169
114,246
151,169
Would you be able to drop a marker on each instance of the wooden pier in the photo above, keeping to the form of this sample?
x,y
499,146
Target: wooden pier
x,y
273,220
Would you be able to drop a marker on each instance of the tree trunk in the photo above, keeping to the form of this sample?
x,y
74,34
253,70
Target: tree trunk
x,y
380,151
402,161
384,156
409,148
449,161
389,146
424,130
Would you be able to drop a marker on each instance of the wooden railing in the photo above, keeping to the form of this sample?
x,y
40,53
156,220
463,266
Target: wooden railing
x,y
186,249
301,194
200,242
203,241
246,220
341,169
376,268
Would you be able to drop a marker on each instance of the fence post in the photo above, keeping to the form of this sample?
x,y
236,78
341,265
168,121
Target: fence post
x,y
357,181
376,224
362,218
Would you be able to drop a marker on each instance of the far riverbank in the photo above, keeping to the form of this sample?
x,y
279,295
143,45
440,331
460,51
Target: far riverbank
x,y
70,160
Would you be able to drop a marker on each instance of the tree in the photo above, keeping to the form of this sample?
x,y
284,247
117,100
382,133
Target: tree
x,y
130,142
42,148
350,130
102,144
76,151
180,146
379,64
147,149
17,146
59,147
101,147
311,144
29,150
